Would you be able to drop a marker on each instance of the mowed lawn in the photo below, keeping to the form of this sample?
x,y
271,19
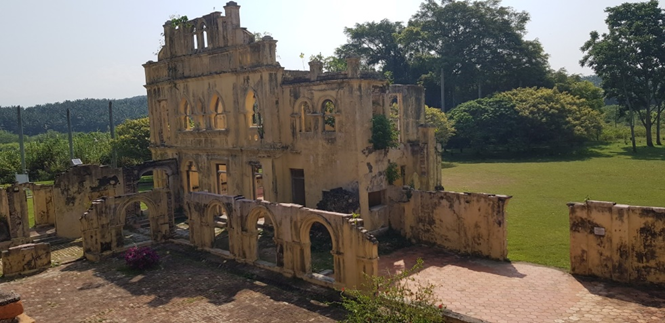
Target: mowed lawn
x,y
541,187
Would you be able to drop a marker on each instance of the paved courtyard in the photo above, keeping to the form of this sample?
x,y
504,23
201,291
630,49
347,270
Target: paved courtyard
x,y
189,287
521,292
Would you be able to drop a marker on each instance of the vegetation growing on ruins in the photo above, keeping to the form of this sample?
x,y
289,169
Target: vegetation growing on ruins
x,y
384,133
394,298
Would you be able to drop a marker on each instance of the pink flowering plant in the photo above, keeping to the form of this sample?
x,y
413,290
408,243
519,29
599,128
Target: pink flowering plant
x,y
141,258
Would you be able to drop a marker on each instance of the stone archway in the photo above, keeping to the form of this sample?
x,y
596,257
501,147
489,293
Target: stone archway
x,y
145,229
306,244
264,240
217,215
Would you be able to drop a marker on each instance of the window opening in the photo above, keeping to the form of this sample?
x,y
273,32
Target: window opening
x,y
328,116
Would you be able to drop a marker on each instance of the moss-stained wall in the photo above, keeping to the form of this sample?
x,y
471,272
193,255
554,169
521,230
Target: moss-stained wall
x,y
618,242
470,223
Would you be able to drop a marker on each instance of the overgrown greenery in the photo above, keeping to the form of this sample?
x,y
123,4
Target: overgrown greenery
x,y
392,173
396,298
384,133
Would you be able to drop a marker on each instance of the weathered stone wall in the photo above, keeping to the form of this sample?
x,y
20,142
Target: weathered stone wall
x,y
17,214
25,259
102,225
469,223
42,200
74,191
618,242
354,250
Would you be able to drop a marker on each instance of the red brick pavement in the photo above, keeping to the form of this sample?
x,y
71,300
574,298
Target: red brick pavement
x,y
521,292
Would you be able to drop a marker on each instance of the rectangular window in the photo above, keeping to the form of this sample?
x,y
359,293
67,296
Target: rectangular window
x,y
375,198
222,179
257,181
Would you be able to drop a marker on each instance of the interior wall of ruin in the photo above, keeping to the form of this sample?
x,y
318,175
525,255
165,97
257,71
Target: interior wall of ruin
x,y
354,250
619,242
74,191
468,223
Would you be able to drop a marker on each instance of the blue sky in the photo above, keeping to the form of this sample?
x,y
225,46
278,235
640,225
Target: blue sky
x,y
52,51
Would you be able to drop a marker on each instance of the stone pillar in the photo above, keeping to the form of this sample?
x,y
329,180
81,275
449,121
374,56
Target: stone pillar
x,y
315,69
19,226
353,66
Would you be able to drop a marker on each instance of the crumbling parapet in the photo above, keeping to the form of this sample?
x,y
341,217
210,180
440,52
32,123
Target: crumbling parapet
x,y
26,259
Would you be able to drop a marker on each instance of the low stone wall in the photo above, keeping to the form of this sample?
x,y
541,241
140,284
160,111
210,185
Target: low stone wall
x,y
14,211
619,242
25,259
354,250
469,223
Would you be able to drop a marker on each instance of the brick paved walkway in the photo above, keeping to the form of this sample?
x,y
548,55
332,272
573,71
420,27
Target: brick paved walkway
x,y
522,292
189,286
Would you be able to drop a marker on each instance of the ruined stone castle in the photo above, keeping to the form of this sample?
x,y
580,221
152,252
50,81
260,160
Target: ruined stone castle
x,y
240,124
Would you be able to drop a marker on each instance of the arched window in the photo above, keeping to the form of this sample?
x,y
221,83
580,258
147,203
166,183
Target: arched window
x,y
205,37
186,121
194,39
218,116
253,110
305,117
328,111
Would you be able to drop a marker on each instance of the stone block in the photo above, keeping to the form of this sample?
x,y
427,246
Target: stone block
x,y
26,258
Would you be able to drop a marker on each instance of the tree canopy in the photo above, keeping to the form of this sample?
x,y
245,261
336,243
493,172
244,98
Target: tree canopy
x,y
629,59
479,46
88,115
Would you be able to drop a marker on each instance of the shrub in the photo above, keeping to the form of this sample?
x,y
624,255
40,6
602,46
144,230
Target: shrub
x,y
392,299
141,258
384,133
392,174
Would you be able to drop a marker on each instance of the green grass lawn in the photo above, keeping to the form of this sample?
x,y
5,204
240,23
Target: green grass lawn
x,y
541,187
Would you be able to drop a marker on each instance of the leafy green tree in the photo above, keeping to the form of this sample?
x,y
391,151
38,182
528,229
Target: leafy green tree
x,y
479,45
378,46
485,124
132,141
629,60
438,119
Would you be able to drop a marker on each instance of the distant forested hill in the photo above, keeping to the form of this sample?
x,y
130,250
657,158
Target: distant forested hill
x,y
87,115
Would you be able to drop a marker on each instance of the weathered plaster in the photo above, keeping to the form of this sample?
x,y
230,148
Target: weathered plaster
x,y
618,242
25,259
469,223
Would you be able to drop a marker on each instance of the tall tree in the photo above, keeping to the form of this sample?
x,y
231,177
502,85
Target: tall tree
x,y
629,59
479,45
377,44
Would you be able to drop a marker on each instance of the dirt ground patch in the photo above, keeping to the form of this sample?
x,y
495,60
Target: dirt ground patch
x,y
189,286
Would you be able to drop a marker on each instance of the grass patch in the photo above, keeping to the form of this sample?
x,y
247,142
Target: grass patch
x,y
542,184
